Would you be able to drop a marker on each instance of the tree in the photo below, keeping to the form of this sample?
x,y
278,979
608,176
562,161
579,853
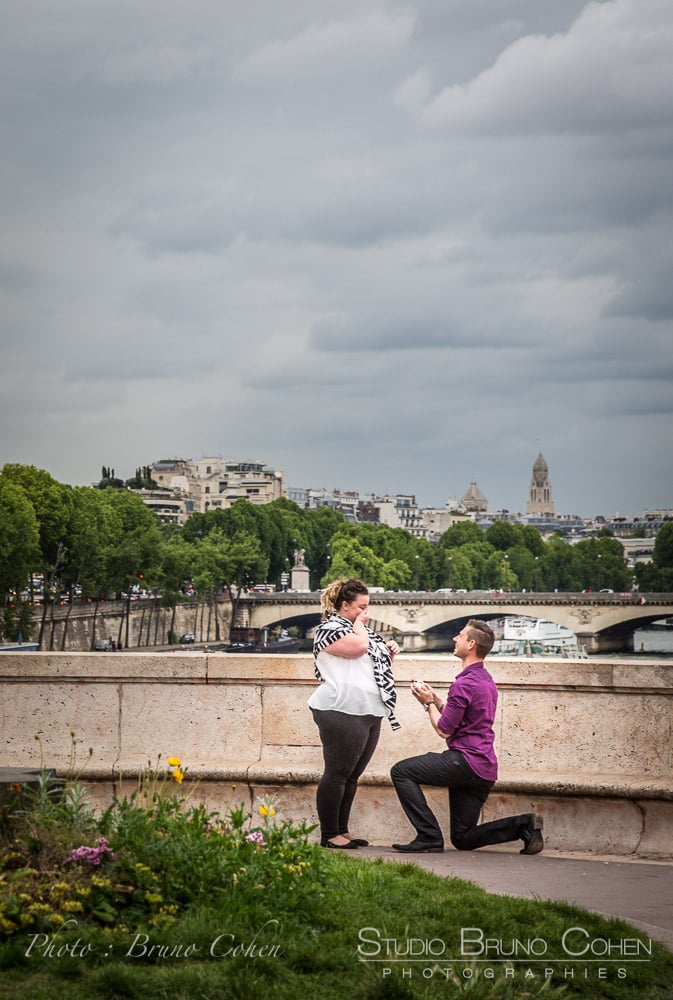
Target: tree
x,y
17,621
662,554
352,558
19,538
108,478
220,562
503,536
320,526
522,565
532,539
483,558
141,481
557,566
459,572
88,541
460,533
52,503
133,542
657,576
599,563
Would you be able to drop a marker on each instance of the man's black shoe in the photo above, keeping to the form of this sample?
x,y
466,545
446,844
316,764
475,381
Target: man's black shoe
x,y
419,846
532,836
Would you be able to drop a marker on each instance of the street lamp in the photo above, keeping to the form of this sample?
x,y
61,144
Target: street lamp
x,y
536,559
416,558
450,561
598,562
505,571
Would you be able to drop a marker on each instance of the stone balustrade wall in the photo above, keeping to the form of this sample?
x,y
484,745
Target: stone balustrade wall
x,y
587,743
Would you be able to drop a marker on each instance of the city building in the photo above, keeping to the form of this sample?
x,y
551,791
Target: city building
x,y
186,486
436,520
216,483
540,499
171,506
637,550
474,500
400,511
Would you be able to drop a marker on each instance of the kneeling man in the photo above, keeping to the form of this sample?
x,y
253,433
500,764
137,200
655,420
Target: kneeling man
x,y
469,766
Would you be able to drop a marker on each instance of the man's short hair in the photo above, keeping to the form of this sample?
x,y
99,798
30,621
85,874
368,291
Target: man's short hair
x,y
483,636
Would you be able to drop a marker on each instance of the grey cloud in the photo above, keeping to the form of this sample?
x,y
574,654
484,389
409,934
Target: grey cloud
x,y
15,276
408,333
648,296
336,49
582,80
406,218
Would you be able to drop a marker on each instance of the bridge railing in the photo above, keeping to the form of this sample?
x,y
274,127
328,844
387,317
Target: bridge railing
x,y
475,596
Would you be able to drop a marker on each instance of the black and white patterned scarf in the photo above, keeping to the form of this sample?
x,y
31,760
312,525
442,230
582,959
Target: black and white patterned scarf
x,y
333,628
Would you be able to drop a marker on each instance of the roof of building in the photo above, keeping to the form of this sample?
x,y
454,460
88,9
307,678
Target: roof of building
x,y
474,495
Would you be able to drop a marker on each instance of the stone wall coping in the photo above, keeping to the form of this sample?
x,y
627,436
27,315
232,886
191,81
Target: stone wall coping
x,y
614,786
201,667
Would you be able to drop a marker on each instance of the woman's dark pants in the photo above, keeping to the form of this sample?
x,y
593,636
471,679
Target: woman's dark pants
x,y
348,743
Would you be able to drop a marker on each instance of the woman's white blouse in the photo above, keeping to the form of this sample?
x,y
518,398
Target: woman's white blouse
x,y
348,686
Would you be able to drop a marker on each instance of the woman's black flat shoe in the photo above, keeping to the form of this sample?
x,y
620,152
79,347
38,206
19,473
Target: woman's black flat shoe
x,y
359,843
352,845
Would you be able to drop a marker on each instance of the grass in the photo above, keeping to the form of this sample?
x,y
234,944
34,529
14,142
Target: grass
x,y
155,899
331,944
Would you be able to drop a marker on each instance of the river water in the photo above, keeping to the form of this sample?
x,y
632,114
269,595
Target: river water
x,y
653,640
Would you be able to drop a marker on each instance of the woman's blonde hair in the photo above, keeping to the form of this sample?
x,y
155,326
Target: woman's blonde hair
x,y
335,593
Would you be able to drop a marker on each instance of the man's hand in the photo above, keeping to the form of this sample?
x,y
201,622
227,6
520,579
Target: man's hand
x,y
423,692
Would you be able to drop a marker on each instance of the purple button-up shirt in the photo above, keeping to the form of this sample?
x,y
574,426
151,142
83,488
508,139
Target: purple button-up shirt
x,y
468,718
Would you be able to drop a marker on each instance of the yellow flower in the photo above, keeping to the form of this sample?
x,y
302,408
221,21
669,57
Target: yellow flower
x,y
73,906
174,762
178,775
267,807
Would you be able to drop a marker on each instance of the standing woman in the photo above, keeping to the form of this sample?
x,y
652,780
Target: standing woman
x,y
357,689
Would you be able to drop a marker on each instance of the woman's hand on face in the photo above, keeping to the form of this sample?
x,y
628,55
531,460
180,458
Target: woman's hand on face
x,y
393,648
363,616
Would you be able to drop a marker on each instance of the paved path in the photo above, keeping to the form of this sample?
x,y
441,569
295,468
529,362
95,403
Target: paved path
x,y
640,892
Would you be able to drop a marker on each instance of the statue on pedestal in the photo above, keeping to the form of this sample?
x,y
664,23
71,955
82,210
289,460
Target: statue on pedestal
x,y
300,572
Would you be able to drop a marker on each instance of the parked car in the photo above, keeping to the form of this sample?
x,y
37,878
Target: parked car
x,y
187,638
104,645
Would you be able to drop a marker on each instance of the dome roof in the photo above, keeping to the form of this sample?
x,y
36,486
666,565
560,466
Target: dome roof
x,y
474,499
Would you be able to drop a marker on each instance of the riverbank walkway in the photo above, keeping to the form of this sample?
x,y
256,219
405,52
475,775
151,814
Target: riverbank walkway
x,y
638,891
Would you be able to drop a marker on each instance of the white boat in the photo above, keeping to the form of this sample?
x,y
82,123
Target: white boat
x,y
537,630
536,636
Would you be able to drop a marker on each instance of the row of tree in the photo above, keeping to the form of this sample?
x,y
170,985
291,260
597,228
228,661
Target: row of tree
x,y
104,541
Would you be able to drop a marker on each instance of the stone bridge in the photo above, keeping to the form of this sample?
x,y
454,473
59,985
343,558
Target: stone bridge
x,y
427,621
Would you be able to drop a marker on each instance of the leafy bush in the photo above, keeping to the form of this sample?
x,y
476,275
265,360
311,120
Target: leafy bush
x,y
145,860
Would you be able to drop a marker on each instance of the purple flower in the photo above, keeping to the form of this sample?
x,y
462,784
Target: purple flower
x,y
92,855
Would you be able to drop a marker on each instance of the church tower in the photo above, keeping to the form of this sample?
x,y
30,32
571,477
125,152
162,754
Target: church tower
x,y
539,495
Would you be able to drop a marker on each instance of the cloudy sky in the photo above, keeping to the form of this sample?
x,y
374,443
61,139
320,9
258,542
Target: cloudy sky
x,y
384,246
